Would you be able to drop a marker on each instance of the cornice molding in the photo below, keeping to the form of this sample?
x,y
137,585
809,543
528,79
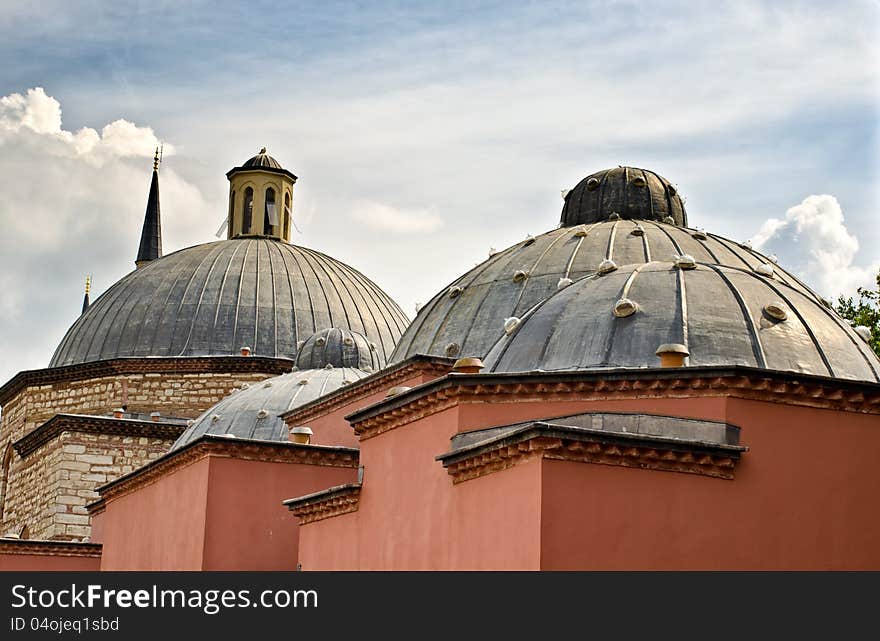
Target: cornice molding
x,y
162,365
548,441
697,382
387,378
50,548
341,499
226,447
60,423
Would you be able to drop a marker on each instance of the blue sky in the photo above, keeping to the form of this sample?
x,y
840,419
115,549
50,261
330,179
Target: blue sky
x,y
425,133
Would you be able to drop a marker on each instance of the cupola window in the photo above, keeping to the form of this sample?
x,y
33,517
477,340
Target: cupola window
x,y
247,210
270,215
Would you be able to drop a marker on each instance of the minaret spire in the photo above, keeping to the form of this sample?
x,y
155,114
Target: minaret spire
x,y
86,301
151,235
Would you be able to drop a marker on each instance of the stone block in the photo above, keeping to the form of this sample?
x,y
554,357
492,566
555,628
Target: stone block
x,y
95,459
72,519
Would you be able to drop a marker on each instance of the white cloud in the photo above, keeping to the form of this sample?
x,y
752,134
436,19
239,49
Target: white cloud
x,y
813,240
397,221
34,120
72,203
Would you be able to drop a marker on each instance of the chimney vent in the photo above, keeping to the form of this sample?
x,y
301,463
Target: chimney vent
x,y
301,434
672,354
468,365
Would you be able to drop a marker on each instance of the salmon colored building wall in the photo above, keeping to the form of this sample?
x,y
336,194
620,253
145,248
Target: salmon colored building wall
x,y
410,519
218,513
248,528
161,525
804,497
786,507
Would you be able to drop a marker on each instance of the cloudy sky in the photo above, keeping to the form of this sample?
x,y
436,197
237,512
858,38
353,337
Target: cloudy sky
x,y
424,134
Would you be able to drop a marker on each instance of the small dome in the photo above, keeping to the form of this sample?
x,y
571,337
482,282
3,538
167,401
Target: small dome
x,y
214,299
261,162
466,318
336,347
719,315
624,192
253,412
262,159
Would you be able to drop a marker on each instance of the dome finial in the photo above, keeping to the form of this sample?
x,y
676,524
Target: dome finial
x,y
86,301
157,157
262,150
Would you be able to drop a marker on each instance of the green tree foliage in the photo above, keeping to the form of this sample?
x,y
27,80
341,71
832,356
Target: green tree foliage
x,y
864,311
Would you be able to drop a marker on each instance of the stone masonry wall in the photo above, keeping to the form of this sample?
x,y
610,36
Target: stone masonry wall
x,y
36,484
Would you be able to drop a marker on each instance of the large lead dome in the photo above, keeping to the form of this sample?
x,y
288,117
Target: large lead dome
x,y
720,315
467,317
215,298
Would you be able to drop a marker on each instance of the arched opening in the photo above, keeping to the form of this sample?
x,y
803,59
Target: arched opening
x,y
247,209
5,464
270,214
287,215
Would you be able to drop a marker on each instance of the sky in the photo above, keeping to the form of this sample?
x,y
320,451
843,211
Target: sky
x,y
424,134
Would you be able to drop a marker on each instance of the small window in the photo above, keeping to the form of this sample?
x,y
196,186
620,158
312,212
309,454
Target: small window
x,y
247,211
270,215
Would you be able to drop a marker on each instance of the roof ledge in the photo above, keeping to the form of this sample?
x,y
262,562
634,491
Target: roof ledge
x,y
506,447
340,499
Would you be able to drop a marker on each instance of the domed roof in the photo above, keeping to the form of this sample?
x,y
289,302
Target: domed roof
x,y
338,348
629,192
215,298
253,412
466,318
722,315
262,159
261,162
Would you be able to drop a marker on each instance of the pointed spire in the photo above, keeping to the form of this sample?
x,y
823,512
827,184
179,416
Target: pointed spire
x,y
151,235
86,301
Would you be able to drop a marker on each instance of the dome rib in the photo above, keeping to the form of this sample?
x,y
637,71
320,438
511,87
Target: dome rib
x,y
198,304
254,412
371,304
223,288
213,299
380,299
757,346
630,192
533,269
474,318
721,329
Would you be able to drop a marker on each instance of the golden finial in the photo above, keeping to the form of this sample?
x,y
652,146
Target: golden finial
x,y
262,150
156,160
88,284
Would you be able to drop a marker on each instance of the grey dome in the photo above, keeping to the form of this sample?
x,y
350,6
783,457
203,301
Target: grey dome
x,y
215,298
261,162
338,348
262,159
720,314
253,412
629,192
467,316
